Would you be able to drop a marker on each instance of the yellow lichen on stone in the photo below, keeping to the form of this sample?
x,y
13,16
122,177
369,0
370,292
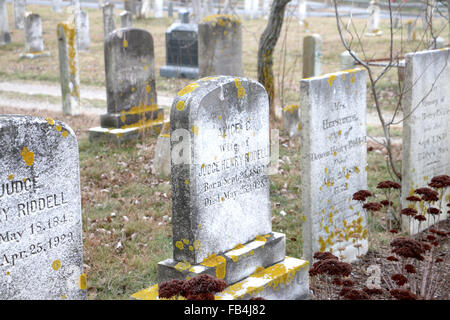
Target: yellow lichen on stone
x,y
56,265
28,156
179,245
50,121
290,108
218,262
188,89
331,79
82,282
181,266
180,105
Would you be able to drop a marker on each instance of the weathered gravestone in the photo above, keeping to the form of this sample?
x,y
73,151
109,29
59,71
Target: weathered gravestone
x,y
5,36
82,27
373,24
333,163
40,221
69,70
181,51
158,6
161,160
346,61
126,19
34,44
426,139
291,120
221,213
109,20
130,86
183,15
312,55
220,46
20,7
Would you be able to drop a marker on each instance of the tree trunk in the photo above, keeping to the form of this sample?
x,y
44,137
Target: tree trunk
x,y
267,44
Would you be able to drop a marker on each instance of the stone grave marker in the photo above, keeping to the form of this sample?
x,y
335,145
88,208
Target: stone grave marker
x,y
170,9
126,19
291,121
373,24
83,37
312,55
161,160
346,60
411,29
109,20
40,222
130,86
220,46
159,8
20,7
426,139
5,36
56,5
34,44
302,11
333,163
69,70
183,15
130,6
221,212
181,51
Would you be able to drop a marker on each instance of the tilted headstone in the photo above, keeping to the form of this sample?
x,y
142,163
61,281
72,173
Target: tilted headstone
x,y
181,51
312,54
333,163
220,46
126,19
69,70
40,220
20,7
159,8
34,44
56,5
109,20
5,36
221,212
83,38
426,139
130,85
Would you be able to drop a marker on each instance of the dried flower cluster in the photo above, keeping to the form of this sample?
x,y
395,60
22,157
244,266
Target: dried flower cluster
x,y
409,248
361,195
388,185
198,288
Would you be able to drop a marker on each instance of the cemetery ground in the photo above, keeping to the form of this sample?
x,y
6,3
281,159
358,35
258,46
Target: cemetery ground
x,y
127,209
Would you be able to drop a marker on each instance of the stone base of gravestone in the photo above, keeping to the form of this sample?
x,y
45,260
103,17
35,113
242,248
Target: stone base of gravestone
x,y
375,33
179,72
250,270
291,121
34,55
127,133
161,161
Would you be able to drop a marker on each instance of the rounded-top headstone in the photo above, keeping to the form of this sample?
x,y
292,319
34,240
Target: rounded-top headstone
x,y
220,46
40,210
130,77
219,129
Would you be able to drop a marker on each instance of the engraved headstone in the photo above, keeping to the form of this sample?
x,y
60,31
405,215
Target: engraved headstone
x,y
19,13
181,51
221,213
220,46
5,36
40,221
333,163
34,44
130,85
68,68
221,192
312,54
426,139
